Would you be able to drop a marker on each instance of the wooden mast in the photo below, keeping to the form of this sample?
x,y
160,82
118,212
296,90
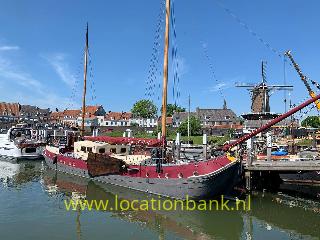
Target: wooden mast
x,y
84,84
165,74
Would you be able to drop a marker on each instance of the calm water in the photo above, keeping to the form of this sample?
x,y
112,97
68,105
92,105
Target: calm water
x,y
32,207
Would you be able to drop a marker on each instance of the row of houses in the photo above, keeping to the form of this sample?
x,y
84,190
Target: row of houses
x,y
96,116
213,121
13,112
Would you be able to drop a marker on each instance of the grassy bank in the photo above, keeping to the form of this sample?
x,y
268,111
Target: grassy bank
x,y
214,140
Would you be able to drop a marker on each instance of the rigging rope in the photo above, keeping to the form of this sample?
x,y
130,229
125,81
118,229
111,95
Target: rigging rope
x,y
252,32
175,58
75,87
91,79
211,68
154,73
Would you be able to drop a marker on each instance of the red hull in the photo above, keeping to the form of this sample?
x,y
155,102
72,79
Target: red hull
x,y
168,171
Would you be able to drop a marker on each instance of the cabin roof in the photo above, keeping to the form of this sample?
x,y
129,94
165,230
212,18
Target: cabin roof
x,y
87,143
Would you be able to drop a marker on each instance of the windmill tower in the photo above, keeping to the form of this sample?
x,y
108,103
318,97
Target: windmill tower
x,y
260,97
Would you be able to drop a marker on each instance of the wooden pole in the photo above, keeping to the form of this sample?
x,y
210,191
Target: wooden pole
x,y
165,74
84,84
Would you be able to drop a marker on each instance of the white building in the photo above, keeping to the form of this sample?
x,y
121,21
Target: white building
x,y
144,122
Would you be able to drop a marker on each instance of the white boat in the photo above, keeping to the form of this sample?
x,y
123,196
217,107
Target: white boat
x,y
20,143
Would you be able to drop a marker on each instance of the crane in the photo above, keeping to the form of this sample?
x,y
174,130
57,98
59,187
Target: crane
x,y
303,78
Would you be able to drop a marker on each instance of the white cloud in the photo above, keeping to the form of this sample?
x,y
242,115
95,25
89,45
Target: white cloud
x,y
204,44
61,67
9,48
9,71
183,68
31,91
219,86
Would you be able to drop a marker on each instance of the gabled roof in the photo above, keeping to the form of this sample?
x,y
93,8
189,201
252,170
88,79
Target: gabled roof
x,y
216,114
91,110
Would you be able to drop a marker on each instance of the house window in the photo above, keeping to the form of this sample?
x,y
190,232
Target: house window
x,y
89,149
227,117
113,150
123,150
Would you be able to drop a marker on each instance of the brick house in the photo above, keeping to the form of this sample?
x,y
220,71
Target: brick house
x,y
9,112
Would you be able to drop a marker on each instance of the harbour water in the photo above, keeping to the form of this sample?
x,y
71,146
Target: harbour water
x,y
32,207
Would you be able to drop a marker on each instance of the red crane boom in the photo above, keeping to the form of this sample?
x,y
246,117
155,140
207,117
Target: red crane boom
x,y
271,123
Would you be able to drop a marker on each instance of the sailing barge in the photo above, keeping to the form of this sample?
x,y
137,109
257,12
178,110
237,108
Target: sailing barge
x,y
143,164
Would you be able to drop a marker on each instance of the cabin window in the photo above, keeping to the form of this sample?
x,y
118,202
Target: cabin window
x,y
102,150
113,150
31,150
83,149
89,149
123,150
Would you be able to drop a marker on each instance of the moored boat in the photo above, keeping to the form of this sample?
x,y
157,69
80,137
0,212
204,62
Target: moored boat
x,y
144,164
122,166
20,143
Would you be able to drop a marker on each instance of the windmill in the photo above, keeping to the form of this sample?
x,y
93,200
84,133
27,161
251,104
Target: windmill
x,y
260,95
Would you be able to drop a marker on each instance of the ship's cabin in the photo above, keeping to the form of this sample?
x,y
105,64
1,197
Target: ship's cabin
x,y
83,148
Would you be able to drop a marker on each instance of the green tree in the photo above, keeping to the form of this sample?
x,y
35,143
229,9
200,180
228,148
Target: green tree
x,y
311,121
144,108
195,127
171,108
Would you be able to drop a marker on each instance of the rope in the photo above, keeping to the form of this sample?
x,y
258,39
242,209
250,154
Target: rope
x,y
91,79
75,87
154,73
175,58
247,28
211,68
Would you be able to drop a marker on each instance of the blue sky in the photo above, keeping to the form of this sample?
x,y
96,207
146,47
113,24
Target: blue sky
x,y
41,46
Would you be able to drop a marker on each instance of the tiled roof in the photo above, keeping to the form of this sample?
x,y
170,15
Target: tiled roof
x,y
9,109
71,113
34,110
56,115
118,116
75,113
182,116
216,114
91,110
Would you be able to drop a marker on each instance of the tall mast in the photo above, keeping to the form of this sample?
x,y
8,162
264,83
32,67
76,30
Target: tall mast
x,y
165,74
84,83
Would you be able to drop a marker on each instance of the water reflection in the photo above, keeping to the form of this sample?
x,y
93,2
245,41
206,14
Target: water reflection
x,y
188,225
285,215
15,175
